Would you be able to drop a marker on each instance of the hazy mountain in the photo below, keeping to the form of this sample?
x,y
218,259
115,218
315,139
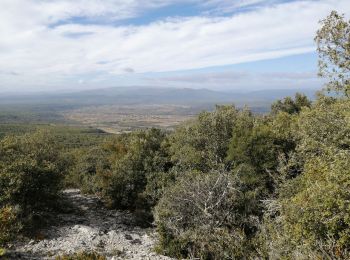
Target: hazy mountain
x,y
137,95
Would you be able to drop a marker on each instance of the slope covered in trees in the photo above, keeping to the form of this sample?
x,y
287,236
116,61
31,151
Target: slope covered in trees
x,y
227,185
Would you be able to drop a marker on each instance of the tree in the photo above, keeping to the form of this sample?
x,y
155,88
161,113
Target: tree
x,y
203,143
289,105
333,46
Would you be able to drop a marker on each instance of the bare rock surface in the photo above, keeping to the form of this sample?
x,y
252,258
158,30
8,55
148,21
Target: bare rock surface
x,y
90,227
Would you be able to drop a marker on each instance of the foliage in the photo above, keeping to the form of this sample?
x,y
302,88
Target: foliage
x,y
254,149
137,155
30,171
157,184
326,125
90,165
309,218
33,163
253,143
227,185
16,129
289,105
321,210
333,47
203,144
312,211
9,224
3,252
200,216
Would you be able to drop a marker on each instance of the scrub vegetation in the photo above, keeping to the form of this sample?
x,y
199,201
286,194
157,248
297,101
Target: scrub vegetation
x,y
229,184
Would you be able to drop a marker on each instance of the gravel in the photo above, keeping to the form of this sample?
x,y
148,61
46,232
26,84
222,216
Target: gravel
x,y
90,227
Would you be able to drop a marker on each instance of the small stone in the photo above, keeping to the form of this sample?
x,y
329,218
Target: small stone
x,y
128,237
136,241
101,244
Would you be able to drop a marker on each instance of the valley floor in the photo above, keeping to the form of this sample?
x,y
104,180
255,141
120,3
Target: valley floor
x,y
90,227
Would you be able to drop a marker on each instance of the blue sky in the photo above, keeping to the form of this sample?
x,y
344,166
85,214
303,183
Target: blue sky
x,y
238,45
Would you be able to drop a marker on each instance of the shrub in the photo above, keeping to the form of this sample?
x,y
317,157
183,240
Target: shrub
x,y
9,224
203,143
325,125
90,165
137,156
290,106
256,144
200,216
31,170
311,215
157,184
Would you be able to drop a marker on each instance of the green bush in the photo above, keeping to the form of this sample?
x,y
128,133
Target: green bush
x,y
325,125
256,144
311,216
157,184
9,224
88,169
136,157
31,170
203,143
290,106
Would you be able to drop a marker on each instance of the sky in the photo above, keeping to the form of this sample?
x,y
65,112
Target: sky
x,y
238,45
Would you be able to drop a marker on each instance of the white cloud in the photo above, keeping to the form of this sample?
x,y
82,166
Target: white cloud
x,y
33,52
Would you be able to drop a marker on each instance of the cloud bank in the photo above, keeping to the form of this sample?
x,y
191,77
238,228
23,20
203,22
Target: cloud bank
x,y
62,42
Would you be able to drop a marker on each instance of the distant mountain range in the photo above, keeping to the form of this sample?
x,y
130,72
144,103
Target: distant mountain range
x,y
141,95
